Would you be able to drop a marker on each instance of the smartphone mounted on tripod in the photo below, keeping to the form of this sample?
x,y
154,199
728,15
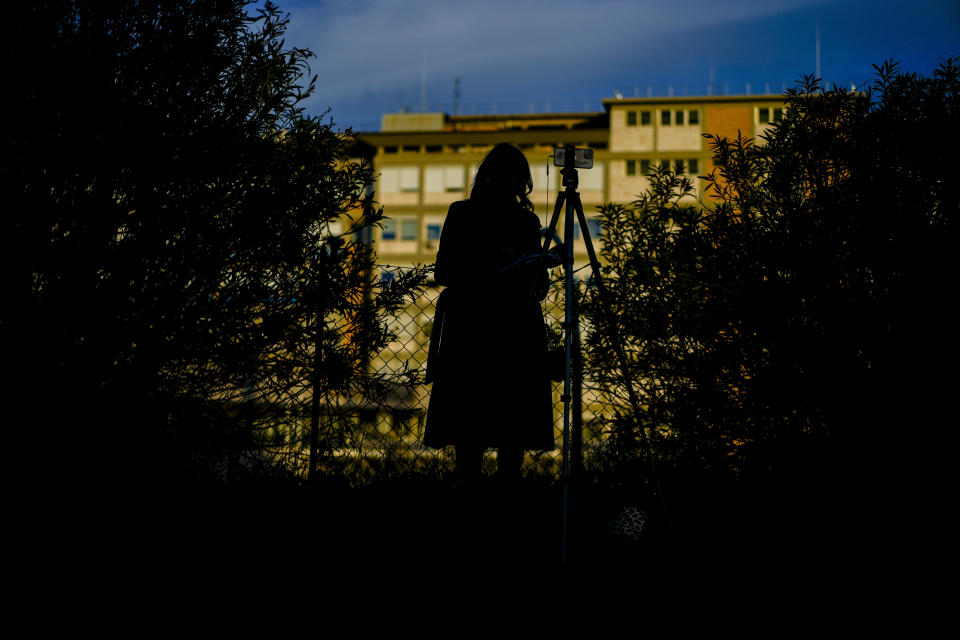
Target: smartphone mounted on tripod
x,y
582,158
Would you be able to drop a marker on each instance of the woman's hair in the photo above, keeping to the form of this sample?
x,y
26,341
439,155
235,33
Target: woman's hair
x,y
504,176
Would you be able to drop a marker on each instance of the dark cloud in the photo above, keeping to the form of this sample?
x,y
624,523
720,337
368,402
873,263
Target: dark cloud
x,y
572,53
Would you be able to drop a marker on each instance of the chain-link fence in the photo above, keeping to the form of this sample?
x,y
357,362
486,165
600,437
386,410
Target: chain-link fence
x,y
367,436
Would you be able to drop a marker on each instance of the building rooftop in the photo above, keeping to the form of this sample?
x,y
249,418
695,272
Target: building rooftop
x,y
442,122
769,97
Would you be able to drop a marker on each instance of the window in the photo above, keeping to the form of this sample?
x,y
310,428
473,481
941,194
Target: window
x,y
766,115
389,180
390,149
632,167
453,178
433,235
399,232
683,166
645,167
443,178
389,230
409,179
411,148
644,118
593,227
432,230
665,117
400,179
631,118
693,116
434,148
678,117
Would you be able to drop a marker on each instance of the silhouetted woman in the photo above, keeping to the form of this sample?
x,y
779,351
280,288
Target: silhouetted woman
x,y
487,354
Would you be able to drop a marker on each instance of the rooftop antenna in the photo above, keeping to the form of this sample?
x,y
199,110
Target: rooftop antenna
x,y
818,46
423,85
456,95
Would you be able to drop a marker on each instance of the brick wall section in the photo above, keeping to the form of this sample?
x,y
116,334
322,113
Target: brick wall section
x,y
725,121
722,120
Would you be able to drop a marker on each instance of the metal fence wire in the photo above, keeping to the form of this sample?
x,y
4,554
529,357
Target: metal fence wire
x,y
366,437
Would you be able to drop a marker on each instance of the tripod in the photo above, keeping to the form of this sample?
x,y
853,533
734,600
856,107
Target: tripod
x,y
573,371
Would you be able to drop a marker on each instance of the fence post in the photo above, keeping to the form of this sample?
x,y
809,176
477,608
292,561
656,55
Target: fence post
x,y
319,325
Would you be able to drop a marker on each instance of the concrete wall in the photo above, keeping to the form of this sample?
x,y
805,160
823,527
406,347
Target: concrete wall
x,y
630,138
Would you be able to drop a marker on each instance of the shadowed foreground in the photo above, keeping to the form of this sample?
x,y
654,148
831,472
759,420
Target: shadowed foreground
x,y
411,530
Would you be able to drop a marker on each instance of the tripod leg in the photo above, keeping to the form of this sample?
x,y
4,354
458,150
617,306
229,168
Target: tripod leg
x,y
594,263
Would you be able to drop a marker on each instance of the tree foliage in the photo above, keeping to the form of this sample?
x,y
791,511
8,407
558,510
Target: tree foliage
x,y
171,255
798,315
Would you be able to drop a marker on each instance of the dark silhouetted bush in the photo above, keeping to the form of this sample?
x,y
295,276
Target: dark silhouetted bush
x,y
169,240
794,329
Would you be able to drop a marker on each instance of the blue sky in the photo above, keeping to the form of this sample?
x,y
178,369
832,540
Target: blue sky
x,y
520,55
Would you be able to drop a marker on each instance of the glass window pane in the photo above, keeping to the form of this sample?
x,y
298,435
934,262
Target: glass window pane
x,y
763,115
389,230
694,116
678,166
631,167
644,117
389,180
408,230
433,179
693,166
631,118
432,230
409,179
665,117
645,167
679,117
594,227
453,178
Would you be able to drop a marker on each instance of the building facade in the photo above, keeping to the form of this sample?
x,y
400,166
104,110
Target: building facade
x,y
425,161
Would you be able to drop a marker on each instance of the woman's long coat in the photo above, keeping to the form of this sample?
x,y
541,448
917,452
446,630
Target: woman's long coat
x,y
488,352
